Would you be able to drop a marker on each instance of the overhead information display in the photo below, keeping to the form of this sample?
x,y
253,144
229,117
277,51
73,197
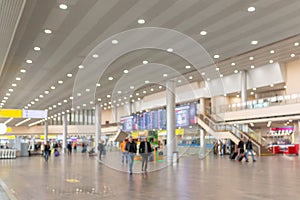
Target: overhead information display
x,y
38,114
7,113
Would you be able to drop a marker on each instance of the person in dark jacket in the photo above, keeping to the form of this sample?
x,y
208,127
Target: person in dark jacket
x,y
145,151
131,149
241,150
100,149
249,149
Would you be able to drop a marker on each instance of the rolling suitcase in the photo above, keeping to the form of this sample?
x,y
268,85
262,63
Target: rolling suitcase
x,y
233,155
240,158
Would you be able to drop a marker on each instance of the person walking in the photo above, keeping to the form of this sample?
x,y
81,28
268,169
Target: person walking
x,y
47,151
69,147
145,151
241,150
124,152
131,149
249,149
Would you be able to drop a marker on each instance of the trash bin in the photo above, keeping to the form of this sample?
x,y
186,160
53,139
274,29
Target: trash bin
x,y
175,156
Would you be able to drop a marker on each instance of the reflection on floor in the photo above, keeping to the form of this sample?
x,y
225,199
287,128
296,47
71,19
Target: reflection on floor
x,y
80,176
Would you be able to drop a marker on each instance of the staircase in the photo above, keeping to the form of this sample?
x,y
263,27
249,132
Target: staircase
x,y
230,132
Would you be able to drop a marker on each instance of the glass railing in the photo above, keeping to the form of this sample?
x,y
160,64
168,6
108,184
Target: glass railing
x,y
259,103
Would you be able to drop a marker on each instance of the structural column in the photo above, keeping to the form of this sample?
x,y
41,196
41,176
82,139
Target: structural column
x,y
202,143
46,132
98,120
171,123
115,114
244,87
65,132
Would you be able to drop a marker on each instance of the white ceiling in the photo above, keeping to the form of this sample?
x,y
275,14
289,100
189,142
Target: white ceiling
x,y
275,24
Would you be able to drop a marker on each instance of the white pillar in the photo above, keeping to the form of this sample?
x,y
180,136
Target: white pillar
x,y
202,106
65,132
171,123
115,114
98,120
202,143
46,132
244,87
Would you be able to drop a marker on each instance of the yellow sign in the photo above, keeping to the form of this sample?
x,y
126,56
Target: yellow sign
x,y
7,113
135,135
9,129
49,137
179,131
7,137
72,181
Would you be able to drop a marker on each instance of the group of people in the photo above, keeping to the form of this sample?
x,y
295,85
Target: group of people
x,y
240,152
129,150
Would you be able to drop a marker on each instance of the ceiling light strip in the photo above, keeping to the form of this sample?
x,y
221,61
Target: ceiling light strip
x,y
22,122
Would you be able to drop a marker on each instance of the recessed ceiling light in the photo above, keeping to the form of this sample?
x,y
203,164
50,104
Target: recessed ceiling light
x,y
145,62
78,94
91,102
147,82
272,85
119,92
190,77
18,78
14,85
114,41
160,87
179,81
80,66
125,98
151,89
188,67
271,61
170,50
233,64
108,96
23,71
203,32
36,99
216,56
137,94
78,107
144,92
5,98
59,103
26,107
139,99
52,87
125,71
36,48
46,92
63,6
237,96
251,9
141,21
208,79
11,90
69,75
252,66
252,93
84,105
293,55
203,73
48,31
272,52
217,68
254,89
98,84
95,56
65,101
99,99
87,90
236,71
41,96
296,44
131,87
29,61
221,75
254,42
165,75
3,101
32,102
251,58
285,86
7,94
60,82
110,78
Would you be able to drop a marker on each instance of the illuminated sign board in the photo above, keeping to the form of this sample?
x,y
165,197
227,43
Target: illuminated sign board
x,y
37,114
7,113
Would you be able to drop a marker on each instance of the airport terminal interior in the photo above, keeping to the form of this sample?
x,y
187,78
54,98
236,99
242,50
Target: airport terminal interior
x,y
139,99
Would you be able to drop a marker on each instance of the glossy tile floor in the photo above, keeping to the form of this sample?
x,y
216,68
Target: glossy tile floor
x,y
82,177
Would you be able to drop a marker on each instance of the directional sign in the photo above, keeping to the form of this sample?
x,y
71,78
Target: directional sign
x,y
7,113
38,114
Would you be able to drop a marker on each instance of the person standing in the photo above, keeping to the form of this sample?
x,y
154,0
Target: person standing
x,y
47,151
69,147
249,149
131,150
100,149
123,151
145,151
